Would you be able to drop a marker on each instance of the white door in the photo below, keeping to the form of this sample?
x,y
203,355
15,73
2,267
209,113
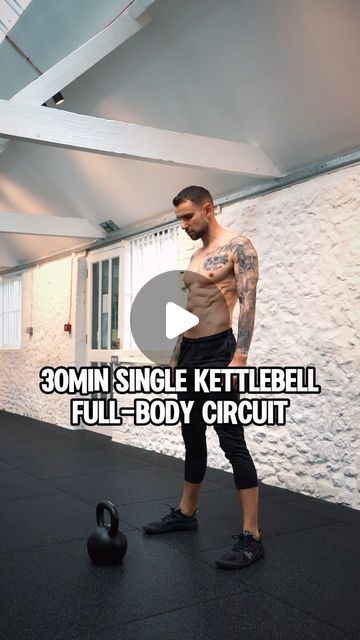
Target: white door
x,y
105,315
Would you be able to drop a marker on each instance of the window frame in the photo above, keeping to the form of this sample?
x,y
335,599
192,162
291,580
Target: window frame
x,y
109,252
13,276
118,249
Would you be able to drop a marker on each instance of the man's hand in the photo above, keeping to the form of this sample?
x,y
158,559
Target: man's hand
x,y
172,365
175,356
239,360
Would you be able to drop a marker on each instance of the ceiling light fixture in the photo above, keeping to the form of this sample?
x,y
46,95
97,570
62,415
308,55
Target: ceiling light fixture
x,y
109,226
58,98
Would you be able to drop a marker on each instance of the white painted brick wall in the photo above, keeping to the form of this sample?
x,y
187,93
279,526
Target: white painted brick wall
x,y
307,238
46,305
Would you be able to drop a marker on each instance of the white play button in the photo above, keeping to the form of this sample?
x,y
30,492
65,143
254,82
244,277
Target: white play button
x,y
158,314
178,320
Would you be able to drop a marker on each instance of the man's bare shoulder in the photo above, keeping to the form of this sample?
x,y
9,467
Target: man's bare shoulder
x,y
229,244
242,242
230,240
195,254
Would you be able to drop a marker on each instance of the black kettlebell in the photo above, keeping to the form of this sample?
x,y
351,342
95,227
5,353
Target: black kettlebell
x,y
107,545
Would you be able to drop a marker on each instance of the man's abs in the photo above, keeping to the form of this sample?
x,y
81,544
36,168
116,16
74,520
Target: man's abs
x,y
212,306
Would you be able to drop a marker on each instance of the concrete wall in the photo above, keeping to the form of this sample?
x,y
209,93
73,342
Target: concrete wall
x,y
307,238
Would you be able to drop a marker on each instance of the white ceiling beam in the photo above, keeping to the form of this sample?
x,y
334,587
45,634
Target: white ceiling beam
x,y
82,59
88,133
10,11
60,226
86,56
7,254
7,263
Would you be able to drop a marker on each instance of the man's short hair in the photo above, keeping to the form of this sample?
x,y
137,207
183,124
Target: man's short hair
x,y
197,195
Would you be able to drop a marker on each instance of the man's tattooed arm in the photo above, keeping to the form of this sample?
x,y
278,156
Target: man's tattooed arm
x,y
246,276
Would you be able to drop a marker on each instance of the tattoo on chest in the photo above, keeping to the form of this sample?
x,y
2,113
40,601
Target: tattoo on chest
x,y
218,258
215,262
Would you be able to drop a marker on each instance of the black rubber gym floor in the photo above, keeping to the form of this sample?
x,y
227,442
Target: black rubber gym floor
x,y
167,587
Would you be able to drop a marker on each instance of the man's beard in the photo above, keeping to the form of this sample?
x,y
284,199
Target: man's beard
x,y
195,235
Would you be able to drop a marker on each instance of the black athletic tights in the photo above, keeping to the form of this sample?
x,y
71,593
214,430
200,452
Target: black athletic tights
x,y
213,351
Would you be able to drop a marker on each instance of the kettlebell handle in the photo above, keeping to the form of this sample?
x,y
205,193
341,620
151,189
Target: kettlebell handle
x,y
114,517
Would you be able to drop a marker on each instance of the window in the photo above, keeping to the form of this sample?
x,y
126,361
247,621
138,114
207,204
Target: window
x,y
115,275
146,256
10,312
105,303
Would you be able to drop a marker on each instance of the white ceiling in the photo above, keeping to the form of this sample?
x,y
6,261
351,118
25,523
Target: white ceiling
x,y
280,74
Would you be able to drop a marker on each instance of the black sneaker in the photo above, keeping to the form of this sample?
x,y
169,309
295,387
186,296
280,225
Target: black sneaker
x,y
173,521
246,551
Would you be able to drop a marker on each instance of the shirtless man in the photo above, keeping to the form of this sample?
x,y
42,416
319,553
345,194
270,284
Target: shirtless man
x,y
229,261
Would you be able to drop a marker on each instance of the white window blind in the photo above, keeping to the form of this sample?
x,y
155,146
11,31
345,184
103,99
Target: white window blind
x,y
10,312
146,256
